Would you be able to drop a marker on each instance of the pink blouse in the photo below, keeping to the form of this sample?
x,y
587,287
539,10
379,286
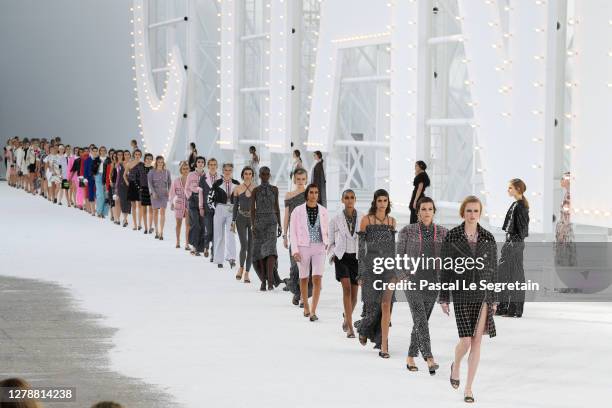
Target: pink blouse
x,y
192,186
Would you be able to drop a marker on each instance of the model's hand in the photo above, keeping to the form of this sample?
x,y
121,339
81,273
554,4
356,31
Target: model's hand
x,y
233,227
445,308
331,259
286,243
201,212
297,257
359,282
494,308
279,232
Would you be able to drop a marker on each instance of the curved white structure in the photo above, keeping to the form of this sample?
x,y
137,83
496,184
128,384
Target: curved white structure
x,y
159,115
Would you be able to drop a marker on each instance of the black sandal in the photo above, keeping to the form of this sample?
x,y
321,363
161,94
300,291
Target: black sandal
x,y
382,354
454,383
468,398
313,318
411,367
350,335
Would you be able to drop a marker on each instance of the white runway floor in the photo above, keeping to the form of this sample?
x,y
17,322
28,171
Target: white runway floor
x,y
209,341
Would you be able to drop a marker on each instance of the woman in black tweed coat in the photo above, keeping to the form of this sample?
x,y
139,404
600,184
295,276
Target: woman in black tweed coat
x,y
474,309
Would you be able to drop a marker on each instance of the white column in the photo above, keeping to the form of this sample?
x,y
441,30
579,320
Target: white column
x,y
230,74
408,96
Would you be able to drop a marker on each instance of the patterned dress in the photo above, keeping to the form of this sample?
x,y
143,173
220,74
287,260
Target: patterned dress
x,y
467,304
159,186
418,240
294,273
177,198
565,248
378,240
265,228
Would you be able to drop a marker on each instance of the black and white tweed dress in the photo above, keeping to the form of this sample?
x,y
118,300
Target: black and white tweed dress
x,y
467,304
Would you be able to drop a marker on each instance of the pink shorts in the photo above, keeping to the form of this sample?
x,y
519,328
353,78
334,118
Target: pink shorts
x,y
315,255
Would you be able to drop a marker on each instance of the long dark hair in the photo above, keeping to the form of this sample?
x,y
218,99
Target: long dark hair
x,y
379,193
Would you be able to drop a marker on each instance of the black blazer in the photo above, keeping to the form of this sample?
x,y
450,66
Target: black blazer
x,y
456,246
516,223
218,195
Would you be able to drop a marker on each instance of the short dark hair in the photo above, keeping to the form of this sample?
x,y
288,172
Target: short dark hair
x,y
133,141
422,165
424,200
201,158
137,151
319,154
310,187
147,155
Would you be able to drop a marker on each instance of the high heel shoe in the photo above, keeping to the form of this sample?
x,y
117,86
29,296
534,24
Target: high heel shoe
x,y
432,369
454,383
384,354
239,274
411,367
469,398
125,224
313,318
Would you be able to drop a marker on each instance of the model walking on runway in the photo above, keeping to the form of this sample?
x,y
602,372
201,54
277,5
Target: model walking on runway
x,y
253,162
343,250
195,206
178,203
516,225
376,239
293,199
421,240
122,204
241,221
309,225
209,215
131,178
159,186
99,167
265,223
420,183
474,309
220,197
141,176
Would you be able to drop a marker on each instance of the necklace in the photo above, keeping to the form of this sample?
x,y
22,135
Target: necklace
x,y
379,220
351,221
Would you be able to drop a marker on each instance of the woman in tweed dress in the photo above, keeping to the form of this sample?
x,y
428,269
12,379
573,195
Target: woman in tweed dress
x,y
474,309
376,239
178,203
159,186
422,239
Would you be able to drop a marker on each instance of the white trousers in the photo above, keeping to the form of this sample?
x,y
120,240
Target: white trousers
x,y
224,239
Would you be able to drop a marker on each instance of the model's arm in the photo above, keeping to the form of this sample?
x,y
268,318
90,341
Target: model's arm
x,y
417,195
293,230
253,209
127,171
331,236
236,193
362,248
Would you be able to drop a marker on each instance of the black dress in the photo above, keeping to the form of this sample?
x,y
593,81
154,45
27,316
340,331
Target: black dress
x,y
419,178
378,240
516,225
145,194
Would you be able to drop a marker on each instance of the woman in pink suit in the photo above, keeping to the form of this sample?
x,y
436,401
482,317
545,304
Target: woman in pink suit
x,y
178,203
308,227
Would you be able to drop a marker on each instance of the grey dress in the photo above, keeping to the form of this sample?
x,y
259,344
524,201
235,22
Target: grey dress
x,y
242,218
378,240
159,186
265,215
294,273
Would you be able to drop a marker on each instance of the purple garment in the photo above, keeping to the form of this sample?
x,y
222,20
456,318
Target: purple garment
x,y
159,187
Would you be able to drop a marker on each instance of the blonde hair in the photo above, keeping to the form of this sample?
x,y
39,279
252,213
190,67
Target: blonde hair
x,y
183,164
467,200
520,186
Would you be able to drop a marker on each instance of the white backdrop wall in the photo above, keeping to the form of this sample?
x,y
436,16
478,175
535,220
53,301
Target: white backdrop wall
x,y
65,70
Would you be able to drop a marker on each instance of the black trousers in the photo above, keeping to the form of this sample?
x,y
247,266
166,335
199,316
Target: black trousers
x,y
196,225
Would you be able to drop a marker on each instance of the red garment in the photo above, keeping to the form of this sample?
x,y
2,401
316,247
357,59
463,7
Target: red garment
x,y
84,157
109,170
